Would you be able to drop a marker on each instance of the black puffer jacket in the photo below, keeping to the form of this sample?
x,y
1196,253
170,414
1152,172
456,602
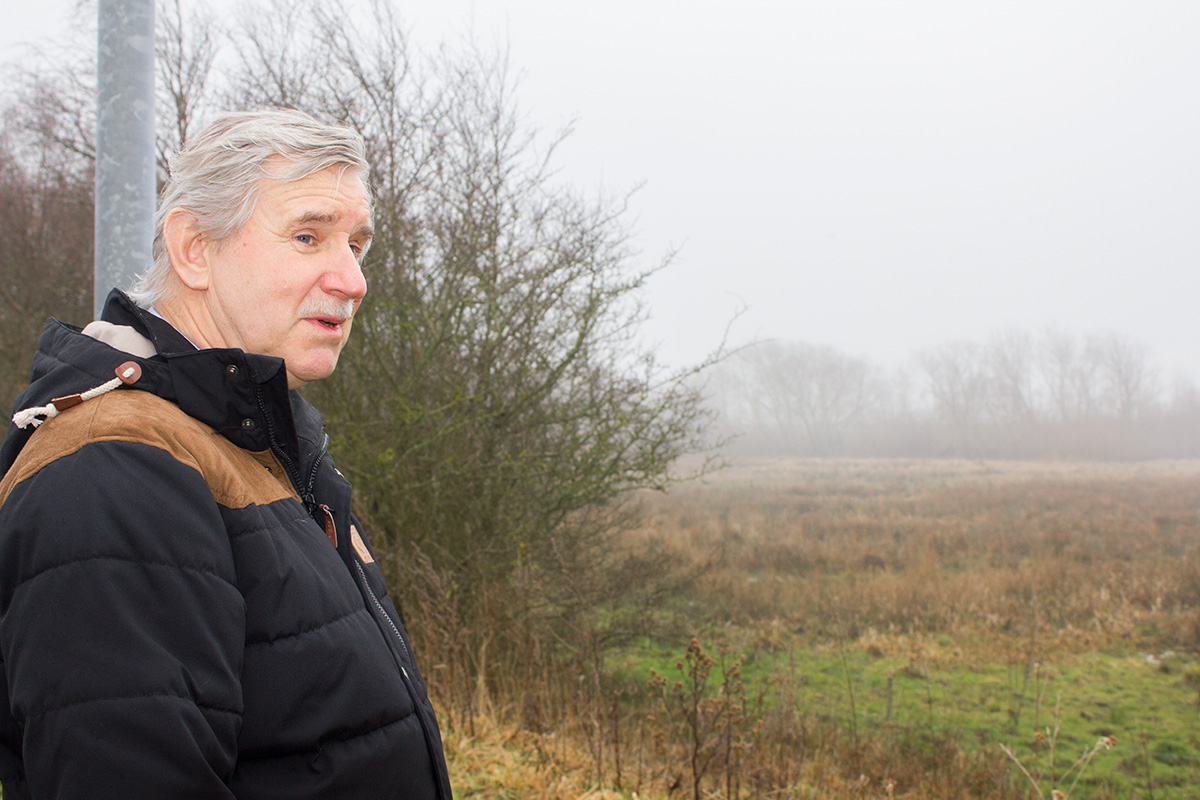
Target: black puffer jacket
x,y
188,609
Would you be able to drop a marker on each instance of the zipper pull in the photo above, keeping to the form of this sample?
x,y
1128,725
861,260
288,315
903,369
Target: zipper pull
x,y
330,528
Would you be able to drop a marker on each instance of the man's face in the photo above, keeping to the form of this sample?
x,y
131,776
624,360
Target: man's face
x,y
288,283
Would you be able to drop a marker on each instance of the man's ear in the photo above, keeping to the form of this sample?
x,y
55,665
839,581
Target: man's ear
x,y
187,248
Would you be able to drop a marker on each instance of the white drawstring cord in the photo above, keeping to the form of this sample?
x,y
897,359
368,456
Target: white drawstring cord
x,y
128,373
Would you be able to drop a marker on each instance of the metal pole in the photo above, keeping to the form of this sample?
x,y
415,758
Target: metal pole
x,y
125,187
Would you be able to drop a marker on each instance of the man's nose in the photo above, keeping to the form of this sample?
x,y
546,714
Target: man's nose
x,y
345,276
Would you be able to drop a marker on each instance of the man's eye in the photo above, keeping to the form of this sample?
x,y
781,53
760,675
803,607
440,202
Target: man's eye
x,y
305,238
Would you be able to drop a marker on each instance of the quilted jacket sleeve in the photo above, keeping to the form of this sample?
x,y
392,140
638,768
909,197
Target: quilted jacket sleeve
x,y
121,628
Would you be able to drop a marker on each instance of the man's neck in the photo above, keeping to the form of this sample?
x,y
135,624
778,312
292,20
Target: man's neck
x,y
186,318
154,310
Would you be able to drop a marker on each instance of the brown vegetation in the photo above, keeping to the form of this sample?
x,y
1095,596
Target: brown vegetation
x,y
1097,550
946,564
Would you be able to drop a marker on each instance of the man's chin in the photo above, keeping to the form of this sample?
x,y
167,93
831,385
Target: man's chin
x,y
314,370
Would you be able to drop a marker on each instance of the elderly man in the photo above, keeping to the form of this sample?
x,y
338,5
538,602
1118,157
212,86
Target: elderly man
x,y
188,608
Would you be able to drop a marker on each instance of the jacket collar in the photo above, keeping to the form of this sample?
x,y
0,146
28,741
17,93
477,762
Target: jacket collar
x,y
244,396
119,309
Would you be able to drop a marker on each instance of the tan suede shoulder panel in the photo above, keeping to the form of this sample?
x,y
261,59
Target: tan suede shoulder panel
x,y
237,477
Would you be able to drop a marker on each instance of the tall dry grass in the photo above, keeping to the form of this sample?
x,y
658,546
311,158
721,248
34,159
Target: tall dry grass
x,y
1098,551
1027,562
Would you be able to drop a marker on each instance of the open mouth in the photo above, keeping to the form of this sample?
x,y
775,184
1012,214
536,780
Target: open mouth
x,y
333,316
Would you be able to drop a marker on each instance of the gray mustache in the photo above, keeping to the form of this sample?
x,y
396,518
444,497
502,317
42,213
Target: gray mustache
x,y
343,310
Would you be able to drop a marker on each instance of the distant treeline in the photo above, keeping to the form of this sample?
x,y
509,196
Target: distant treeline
x,y
1011,396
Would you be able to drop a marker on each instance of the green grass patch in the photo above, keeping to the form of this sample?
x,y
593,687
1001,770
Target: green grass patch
x,y
1149,705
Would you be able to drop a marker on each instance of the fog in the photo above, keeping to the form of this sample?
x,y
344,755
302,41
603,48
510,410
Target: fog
x,y
882,178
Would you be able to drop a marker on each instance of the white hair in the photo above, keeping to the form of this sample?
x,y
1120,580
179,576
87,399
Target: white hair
x,y
218,174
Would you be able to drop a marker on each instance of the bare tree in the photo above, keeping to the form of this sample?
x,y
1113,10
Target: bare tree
x,y
1009,363
282,62
46,261
796,397
1125,376
185,51
957,385
1067,377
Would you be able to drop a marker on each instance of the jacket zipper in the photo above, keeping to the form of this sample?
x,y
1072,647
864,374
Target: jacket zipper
x,y
293,471
312,474
307,498
430,744
383,611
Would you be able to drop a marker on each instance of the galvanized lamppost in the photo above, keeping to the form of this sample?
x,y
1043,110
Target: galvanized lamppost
x,y
125,185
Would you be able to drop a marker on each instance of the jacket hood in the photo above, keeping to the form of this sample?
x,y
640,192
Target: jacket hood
x,y
243,396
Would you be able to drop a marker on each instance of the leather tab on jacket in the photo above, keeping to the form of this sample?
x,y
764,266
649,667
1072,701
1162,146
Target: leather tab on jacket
x,y
330,528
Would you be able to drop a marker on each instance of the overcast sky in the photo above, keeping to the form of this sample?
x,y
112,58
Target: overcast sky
x,y
878,176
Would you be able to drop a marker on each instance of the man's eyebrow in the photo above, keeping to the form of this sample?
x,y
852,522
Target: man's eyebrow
x,y
325,217
331,218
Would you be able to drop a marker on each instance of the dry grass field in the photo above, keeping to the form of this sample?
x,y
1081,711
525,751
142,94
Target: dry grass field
x,y
887,629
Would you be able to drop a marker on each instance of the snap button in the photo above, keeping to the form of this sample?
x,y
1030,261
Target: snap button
x,y
231,370
248,424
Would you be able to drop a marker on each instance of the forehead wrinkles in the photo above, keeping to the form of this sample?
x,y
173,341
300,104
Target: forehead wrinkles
x,y
278,184
312,200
